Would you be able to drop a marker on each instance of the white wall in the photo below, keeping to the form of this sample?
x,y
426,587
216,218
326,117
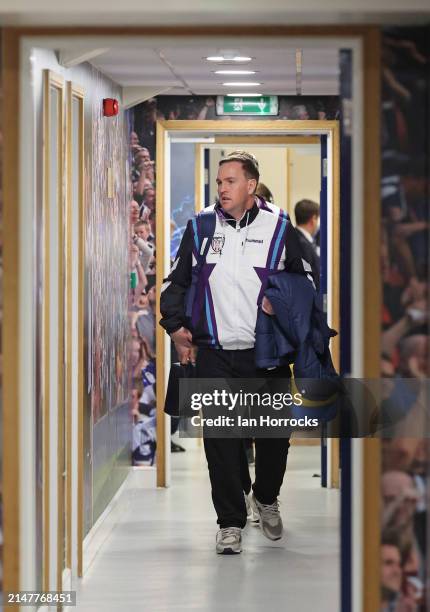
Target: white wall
x,y
33,62
305,175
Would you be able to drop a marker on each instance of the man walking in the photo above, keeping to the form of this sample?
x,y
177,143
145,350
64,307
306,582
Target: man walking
x,y
251,240
307,215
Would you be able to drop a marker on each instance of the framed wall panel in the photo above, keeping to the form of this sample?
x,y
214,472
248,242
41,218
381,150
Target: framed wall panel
x,y
53,331
74,340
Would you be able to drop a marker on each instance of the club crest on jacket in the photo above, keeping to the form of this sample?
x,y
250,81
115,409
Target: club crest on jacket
x,y
217,243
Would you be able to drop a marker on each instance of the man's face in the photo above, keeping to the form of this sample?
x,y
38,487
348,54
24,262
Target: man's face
x,y
134,139
145,154
142,231
301,111
399,487
234,188
391,571
142,156
150,198
134,211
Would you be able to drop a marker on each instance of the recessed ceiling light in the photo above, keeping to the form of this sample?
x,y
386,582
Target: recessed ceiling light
x,y
223,58
245,84
243,95
236,72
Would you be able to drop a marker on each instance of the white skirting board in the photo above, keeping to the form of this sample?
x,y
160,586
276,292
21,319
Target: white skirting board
x,y
138,477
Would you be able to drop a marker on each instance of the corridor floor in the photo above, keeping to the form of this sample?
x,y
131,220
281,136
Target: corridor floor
x,y
161,556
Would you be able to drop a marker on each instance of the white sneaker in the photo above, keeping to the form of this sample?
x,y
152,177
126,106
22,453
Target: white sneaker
x,y
250,514
270,518
229,541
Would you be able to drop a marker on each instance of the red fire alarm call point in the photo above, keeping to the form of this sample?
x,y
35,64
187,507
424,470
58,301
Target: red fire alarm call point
x,y
110,107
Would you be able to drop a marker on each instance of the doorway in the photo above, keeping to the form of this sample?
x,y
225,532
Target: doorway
x,y
291,169
215,136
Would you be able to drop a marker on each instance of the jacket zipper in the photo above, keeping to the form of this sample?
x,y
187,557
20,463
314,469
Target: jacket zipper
x,y
236,279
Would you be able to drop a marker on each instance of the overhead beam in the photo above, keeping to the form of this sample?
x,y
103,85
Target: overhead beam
x,y
137,94
73,57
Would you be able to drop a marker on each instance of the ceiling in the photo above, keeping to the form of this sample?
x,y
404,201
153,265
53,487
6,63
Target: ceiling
x,y
184,69
97,13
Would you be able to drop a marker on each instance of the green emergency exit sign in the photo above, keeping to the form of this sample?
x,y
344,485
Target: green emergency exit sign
x,y
263,105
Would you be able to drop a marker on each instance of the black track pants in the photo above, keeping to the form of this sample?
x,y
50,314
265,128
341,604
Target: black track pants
x,y
226,457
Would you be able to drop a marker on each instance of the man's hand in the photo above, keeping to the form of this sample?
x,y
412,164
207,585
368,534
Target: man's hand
x,y
267,306
182,338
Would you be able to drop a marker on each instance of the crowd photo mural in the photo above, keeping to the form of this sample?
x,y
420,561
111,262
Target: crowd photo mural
x,y
142,142
405,315
142,303
106,419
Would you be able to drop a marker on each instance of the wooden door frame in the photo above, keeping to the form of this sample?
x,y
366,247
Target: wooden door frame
x,y
77,93
52,81
258,130
370,37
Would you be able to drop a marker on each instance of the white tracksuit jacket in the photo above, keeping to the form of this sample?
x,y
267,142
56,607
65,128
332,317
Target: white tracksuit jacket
x,y
233,277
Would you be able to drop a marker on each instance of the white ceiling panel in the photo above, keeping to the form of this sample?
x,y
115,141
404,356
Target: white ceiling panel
x,y
185,68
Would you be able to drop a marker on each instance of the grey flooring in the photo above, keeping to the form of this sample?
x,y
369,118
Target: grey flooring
x,y
160,557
